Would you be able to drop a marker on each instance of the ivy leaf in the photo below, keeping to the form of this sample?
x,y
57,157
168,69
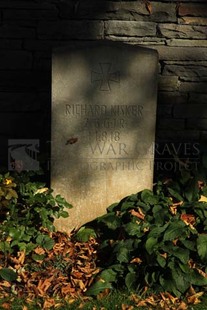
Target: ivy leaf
x,y
181,279
175,194
202,247
147,196
110,220
174,230
150,244
130,280
133,229
123,255
108,275
98,287
197,279
8,274
84,234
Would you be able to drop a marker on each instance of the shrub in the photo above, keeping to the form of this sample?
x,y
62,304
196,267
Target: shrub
x,y
154,238
27,210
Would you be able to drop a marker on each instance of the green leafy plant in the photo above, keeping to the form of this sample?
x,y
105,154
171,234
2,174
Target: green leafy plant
x,y
155,239
28,210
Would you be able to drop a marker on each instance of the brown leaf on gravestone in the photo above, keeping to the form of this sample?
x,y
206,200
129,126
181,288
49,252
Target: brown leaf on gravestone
x,y
71,141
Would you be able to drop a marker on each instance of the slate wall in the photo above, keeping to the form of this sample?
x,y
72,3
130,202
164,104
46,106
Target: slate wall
x,y
29,29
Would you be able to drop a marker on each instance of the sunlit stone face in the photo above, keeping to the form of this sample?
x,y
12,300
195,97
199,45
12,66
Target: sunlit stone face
x,y
103,126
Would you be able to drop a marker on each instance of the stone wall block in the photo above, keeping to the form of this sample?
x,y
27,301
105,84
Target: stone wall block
x,y
22,101
193,21
14,31
187,72
15,60
71,30
198,98
92,9
197,87
194,9
182,31
28,14
168,83
171,98
20,81
177,53
10,44
186,42
200,124
165,12
130,28
171,124
190,111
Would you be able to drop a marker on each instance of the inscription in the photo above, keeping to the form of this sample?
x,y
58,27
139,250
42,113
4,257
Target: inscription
x,y
114,165
105,123
98,110
107,136
109,149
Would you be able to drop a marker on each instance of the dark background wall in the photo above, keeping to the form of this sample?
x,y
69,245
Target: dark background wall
x,y
29,29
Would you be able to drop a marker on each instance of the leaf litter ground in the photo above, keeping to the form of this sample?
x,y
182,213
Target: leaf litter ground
x,y
63,275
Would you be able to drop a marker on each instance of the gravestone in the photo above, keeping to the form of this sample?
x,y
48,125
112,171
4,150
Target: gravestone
x,y
103,125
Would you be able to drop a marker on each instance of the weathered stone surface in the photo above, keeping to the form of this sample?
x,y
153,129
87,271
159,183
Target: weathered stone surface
x,y
71,30
193,21
193,87
14,60
22,14
168,83
189,72
190,110
195,9
182,31
177,53
15,31
187,42
104,102
198,98
130,28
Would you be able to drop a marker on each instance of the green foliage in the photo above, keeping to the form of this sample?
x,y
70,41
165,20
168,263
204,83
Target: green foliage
x,y
155,238
27,210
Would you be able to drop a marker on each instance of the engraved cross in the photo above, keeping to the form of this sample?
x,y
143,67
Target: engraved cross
x,y
105,76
